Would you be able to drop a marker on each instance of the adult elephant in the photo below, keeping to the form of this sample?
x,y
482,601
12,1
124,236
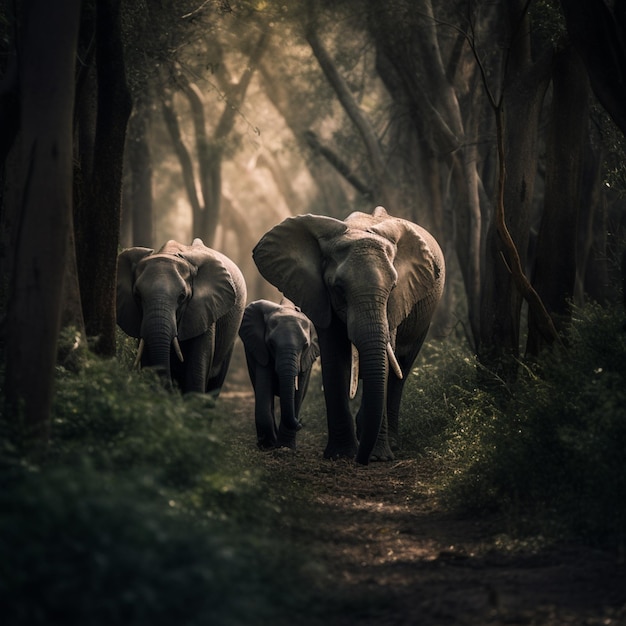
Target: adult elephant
x,y
281,346
185,304
371,282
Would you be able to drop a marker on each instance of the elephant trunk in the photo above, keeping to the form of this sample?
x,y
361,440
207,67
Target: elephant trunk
x,y
373,371
158,334
368,330
287,371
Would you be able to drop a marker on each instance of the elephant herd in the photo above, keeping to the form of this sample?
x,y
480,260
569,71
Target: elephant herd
x,y
360,293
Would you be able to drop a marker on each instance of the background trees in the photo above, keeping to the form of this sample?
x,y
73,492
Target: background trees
x,y
242,113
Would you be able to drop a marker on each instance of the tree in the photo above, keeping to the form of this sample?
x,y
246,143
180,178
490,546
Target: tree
x,y
554,271
137,212
209,150
524,86
47,53
102,133
599,34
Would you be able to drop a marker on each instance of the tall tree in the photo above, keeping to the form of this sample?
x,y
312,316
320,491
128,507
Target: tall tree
x,y
209,148
47,53
599,33
554,271
138,211
524,85
97,213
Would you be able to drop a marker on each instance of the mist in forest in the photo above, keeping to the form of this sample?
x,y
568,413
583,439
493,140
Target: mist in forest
x,y
248,108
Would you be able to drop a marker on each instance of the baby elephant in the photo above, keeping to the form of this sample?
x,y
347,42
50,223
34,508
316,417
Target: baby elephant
x,y
281,346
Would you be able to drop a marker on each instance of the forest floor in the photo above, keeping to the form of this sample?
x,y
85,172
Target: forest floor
x,y
383,550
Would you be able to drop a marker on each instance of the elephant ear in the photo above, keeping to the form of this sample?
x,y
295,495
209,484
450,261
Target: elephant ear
x,y
289,257
214,291
311,353
252,329
128,313
416,264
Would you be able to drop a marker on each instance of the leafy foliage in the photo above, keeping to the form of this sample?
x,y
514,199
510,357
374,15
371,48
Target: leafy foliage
x,y
137,516
549,451
142,515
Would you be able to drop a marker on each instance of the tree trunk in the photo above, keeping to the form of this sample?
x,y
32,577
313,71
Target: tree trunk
x,y
211,163
599,34
98,217
171,122
420,81
299,114
555,262
383,191
501,300
140,170
47,65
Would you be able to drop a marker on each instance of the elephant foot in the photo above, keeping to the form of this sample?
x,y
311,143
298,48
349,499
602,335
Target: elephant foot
x,y
382,452
335,452
266,443
286,438
265,446
394,442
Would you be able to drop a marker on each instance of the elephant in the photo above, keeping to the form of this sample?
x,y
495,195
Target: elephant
x,y
370,284
281,346
185,304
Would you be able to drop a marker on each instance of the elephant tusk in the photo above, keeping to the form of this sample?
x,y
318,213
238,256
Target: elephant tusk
x,y
354,372
137,362
393,362
177,349
296,382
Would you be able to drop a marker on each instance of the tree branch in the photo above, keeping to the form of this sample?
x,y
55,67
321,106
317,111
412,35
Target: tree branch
x,y
338,163
351,108
544,322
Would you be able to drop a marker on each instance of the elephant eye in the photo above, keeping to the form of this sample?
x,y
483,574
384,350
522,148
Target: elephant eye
x,y
338,289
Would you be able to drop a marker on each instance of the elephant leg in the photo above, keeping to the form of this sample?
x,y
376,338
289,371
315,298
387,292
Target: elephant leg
x,y
264,408
406,358
382,450
191,374
216,381
225,330
335,356
286,436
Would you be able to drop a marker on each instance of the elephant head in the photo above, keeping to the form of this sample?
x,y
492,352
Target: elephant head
x,y
363,281
174,298
281,346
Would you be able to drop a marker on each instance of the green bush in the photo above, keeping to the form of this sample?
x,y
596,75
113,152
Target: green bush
x,y
137,516
547,451
83,548
125,420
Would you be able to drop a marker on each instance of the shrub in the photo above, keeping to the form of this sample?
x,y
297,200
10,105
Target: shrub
x,y
551,455
136,517
86,548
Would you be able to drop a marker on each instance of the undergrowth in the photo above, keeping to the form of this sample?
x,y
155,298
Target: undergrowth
x,y
137,516
143,514
546,451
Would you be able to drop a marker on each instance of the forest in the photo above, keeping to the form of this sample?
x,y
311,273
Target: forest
x,y
498,126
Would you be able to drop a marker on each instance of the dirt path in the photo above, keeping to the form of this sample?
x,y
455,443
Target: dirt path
x,y
387,554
